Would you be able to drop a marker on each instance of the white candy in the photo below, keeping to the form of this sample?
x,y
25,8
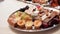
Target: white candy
x,y
35,13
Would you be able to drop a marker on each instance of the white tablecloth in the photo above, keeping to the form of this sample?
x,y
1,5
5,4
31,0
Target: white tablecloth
x,y
9,6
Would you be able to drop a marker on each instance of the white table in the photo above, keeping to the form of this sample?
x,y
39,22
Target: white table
x,y
9,6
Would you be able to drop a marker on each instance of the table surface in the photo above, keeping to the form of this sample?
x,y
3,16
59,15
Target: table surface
x,y
9,6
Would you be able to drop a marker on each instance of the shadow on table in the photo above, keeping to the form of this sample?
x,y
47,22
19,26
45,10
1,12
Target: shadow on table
x,y
44,32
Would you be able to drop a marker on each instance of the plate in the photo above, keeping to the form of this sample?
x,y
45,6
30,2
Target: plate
x,y
18,27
